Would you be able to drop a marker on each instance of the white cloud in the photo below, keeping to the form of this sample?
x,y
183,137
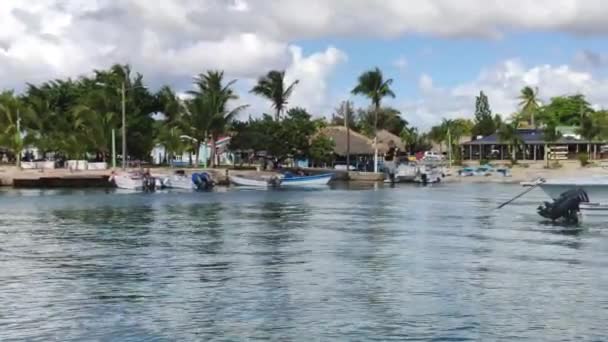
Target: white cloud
x,y
502,84
401,63
312,72
171,40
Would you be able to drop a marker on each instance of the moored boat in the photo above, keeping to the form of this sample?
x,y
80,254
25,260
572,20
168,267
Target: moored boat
x,y
271,181
135,181
196,181
596,187
290,180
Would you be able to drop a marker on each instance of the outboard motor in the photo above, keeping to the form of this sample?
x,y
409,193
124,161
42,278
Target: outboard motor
x,y
565,207
149,183
202,181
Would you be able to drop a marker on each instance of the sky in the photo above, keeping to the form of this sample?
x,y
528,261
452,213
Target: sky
x,y
440,53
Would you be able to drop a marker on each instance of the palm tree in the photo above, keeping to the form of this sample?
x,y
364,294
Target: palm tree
x,y
372,85
11,134
508,134
529,103
171,139
209,113
272,87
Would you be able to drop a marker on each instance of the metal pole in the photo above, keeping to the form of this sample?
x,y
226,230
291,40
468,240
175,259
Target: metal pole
x,y
113,148
376,140
124,127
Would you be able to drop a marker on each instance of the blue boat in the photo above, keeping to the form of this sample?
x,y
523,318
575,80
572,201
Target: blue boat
x,y
291,180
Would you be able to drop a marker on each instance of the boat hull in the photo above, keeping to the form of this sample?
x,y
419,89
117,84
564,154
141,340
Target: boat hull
x,y
306,181
179,182
252,182
127,182
598,193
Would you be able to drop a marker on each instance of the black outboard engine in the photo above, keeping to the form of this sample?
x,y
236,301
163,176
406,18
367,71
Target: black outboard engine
x,y
202,181
149,183
565,207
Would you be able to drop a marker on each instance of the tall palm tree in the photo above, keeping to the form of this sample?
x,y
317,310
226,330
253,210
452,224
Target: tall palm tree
x,y
272,87
372,85
529,103
209,112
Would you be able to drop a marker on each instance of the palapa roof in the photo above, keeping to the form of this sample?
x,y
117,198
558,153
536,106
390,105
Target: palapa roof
x,y
384,137
359,143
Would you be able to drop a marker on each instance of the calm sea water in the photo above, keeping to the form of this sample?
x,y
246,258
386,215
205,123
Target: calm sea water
x,y
359,264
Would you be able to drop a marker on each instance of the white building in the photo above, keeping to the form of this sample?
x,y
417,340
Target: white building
x,y
159,155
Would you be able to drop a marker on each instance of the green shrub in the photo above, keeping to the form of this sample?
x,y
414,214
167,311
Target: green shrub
x,y
584,159
484,162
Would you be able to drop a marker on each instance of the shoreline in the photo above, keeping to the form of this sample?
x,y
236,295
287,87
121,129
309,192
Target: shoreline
x,y
9,175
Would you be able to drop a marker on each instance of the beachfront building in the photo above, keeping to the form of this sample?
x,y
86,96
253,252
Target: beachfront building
x,y
569,146
187,158
359,147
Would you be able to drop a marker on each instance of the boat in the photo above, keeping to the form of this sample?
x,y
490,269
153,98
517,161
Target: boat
x,y
197,181
261,182
291,180
596,187
429,174
135,180
405,172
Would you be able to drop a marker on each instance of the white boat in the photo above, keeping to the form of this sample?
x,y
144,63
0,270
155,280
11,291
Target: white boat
x,y
271,181
405,173
196,181
429,175
306,181
132,181
596,187
179,181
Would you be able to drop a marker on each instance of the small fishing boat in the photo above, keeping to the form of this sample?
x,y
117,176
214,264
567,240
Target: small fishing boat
x,y
135,180
291,180
265,182
197,181
406,172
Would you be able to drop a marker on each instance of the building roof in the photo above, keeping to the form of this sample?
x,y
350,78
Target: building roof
x,y
359,144
384,137
528,136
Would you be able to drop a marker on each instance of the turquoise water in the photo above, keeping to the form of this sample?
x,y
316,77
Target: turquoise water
x,y
360,263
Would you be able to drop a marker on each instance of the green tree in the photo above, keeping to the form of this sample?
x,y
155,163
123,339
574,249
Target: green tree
x,y
484,122
171,139
11,133
321,149
217,96
272,87
508,134
529,104
566,110
387,118
372,85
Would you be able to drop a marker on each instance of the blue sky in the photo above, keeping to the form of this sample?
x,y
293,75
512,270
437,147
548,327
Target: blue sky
x,y
448,50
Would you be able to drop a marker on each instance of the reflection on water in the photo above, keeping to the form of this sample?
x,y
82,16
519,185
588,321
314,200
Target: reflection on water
x,y
353,262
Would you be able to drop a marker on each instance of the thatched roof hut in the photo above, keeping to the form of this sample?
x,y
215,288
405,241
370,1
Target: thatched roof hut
x,y
384,137
359,143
